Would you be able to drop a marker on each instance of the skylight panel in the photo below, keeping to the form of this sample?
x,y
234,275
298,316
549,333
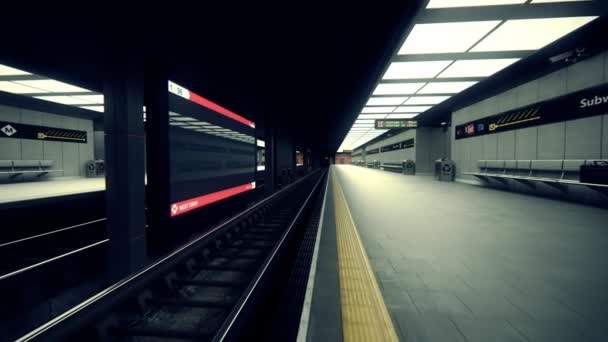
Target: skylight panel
x,y
477,67
445,87
445,37
397,88
529,34
425,100
471,3
412,109
377,109
385,101
405,70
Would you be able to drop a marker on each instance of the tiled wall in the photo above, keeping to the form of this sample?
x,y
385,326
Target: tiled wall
x,y
585,138
70,157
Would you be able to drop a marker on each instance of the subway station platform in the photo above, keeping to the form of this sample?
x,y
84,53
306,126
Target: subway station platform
x,y
27,191
454,262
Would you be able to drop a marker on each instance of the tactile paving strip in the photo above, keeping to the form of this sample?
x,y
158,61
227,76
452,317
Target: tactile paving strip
x,y
364,314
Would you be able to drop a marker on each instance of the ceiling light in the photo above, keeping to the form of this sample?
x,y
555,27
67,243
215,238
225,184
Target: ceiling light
x,y
445,37
16,88
377,109
90,98
401,116
425,100
364,121
529,34
397,88
405,70
8,71
52,86
445,87
94,108
200,123
68,100
371,116
177,123
174,114
412,109
384,101
471,3
183,118
477,67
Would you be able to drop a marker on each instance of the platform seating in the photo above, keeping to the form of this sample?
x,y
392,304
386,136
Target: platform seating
x,y
396,166
16,168
555,172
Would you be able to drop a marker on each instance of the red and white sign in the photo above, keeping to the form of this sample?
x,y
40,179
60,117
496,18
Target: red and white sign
x,y
188,95
201,201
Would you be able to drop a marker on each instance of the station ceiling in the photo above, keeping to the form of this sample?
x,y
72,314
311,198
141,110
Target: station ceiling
x,y
308,68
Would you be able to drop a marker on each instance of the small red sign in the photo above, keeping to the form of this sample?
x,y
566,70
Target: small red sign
x,y
201,201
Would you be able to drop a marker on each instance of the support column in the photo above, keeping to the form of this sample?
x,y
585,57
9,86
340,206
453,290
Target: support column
x,y
124,153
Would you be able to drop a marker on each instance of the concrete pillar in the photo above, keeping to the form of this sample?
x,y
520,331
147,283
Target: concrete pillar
x,y
124,155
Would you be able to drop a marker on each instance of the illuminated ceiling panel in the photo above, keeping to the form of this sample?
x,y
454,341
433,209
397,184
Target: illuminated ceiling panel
x,y
412,109
377,109
471,3
425,100
445,87
401,116
405,70
16,88
397,88
68,100
52,86
526,34
477,67
445,37
5,70
372,116
385,101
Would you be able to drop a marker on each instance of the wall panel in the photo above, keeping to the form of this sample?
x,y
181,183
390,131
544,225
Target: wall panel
x,y
584,138
526,143
551,141
506,145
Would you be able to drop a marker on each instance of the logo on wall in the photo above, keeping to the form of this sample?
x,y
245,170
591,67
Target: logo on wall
x,y
22,131
470,129
9,130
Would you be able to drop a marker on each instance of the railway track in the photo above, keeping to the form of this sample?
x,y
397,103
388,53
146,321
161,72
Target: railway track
x,y
211,289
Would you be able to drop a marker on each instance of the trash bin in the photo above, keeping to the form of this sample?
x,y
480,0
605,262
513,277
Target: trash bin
x,y
409,167
448,171
91,169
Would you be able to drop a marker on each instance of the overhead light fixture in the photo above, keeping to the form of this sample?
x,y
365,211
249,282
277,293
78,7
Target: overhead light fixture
x,y
405,70
52,86
412,109
16,88
397,88
68,100
471,3
385,101
183,118
377,109
401,116
5,70
90,98
524,34
445,87
172,123
371,116
445,37
425,100
93,108
477,67
364,121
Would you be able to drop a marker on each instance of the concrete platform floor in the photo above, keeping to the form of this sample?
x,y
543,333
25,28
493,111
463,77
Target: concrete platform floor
x,y
14,192
458,262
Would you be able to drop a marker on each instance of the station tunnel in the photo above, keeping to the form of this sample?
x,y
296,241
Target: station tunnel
x,y
429,170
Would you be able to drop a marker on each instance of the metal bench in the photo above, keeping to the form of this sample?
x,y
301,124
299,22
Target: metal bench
x,y
555,172
16,168
407,167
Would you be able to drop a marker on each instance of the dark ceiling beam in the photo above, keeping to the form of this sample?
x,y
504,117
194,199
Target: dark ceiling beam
x,y
506,12
461,55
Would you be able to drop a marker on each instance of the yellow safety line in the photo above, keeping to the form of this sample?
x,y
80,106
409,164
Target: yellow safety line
x,y
364,314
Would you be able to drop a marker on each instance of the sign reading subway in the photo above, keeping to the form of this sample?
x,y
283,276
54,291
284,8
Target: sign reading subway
x,y
584,103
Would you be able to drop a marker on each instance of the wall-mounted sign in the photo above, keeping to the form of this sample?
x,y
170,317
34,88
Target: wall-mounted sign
x,y
373,151
398,146
33,132
395,123
584,103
